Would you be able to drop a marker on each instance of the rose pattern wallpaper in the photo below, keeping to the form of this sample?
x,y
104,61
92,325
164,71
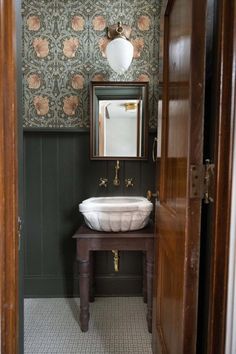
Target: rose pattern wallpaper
x,y
64,46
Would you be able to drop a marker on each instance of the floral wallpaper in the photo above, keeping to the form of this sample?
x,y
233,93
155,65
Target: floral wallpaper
x,y
64,45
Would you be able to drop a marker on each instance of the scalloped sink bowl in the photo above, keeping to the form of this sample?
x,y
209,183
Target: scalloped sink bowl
x,y
114,214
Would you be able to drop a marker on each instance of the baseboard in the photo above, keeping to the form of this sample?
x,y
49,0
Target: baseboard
x,y
109,285
123,285
49,287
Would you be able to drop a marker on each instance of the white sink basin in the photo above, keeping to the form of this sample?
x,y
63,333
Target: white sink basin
x,y
116,213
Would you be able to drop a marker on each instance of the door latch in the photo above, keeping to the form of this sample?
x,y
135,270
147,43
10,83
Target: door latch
x,y
19,232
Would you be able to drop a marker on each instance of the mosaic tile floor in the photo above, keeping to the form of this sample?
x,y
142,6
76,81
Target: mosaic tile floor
x,y
117,325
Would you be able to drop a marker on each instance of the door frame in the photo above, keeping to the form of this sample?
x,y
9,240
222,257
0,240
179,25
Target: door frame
x,y
225,103
8,181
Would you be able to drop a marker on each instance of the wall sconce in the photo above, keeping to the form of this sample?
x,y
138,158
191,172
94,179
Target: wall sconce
x,y
119,51
130,106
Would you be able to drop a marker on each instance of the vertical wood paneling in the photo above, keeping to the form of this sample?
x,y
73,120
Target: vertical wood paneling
x,y
80,164
132,170
148,169
131,262
33,205
50,207
66,182
58,176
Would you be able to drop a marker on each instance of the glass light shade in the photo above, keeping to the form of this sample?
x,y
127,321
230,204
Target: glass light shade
x,y
119,54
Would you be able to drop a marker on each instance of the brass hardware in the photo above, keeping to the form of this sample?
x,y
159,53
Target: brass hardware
x,y
154,157
116,260
151,195
103,182
202,181
129,182
196,181
19,232
118,31
208,182
129,106
116,180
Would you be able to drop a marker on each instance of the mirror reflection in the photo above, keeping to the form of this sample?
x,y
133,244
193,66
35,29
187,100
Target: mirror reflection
x,y
124,117
119,120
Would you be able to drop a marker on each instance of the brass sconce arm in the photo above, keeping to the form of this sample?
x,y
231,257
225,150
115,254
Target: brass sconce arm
x,y
118,30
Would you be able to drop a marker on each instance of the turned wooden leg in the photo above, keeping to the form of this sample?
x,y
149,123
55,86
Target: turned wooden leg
x,y
144,278
91,278
149,265
84,270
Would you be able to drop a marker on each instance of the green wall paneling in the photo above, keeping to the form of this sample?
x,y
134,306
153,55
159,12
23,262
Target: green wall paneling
x,y
58,175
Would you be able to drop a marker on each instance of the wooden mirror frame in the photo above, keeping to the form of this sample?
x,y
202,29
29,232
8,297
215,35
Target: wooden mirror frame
x,y
118,84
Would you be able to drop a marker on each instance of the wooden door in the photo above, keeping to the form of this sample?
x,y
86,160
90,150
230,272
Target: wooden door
x,y
8,182
178,215
20,191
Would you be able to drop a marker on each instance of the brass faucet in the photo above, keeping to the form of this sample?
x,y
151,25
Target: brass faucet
x,y
116,180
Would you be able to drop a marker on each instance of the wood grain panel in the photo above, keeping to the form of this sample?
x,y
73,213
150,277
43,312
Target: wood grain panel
x,y
224,115
170,293
8,182
178,215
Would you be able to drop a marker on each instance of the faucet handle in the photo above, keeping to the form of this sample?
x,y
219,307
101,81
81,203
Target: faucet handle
x,y
129,182
103,182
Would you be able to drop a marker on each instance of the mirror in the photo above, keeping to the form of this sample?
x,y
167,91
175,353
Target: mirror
x,y
118,120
